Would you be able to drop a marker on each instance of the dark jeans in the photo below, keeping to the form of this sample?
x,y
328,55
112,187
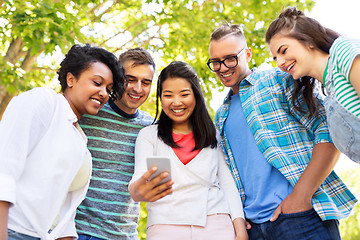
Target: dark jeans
x,y
296,226
87,237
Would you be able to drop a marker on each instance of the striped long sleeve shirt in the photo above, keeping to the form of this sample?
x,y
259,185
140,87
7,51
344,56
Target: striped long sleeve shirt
x,y
108,212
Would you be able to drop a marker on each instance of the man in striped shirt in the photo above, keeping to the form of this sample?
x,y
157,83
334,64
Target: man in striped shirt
x,y
108,212
280,158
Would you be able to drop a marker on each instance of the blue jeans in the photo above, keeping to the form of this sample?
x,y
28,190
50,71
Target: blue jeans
x,y
296,226
87,237
12,235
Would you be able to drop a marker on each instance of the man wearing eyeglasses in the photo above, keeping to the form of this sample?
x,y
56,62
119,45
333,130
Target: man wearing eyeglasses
x,y
279,156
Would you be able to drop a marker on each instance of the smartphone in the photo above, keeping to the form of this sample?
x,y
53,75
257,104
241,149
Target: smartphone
x,y
162,164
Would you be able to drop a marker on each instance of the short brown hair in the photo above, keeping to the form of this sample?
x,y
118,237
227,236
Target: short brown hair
x,y
139,55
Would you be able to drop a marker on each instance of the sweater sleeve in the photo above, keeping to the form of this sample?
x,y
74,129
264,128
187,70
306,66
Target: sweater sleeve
x,y
144,147
227,185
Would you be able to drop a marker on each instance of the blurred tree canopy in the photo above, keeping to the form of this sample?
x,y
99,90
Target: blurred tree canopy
x,y
33,31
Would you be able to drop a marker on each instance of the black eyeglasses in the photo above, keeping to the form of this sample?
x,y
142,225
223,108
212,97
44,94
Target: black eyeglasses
x,y
229,62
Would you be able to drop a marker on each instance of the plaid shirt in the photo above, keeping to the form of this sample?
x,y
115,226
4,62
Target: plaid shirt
x,y
285,137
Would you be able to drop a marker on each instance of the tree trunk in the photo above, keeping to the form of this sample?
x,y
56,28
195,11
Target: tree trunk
x,y
5,98
29,60
14,53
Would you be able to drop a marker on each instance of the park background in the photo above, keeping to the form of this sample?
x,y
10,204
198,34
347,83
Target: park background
x,y
35,34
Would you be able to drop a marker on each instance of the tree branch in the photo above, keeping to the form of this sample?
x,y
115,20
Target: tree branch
x,y
29,60
98,17
97,7
149,39
138,34
44,68
5,98
14,52
125,30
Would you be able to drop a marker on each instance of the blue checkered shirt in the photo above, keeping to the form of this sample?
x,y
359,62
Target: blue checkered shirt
x,y
284,136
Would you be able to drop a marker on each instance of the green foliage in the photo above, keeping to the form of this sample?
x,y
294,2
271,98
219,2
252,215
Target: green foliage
x,y
350,226
10,75
41,23
15,79
171,30
142,221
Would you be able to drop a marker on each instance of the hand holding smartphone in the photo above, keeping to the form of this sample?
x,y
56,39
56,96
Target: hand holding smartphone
x,y
162,164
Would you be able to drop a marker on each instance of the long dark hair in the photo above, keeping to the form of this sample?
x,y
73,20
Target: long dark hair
x,y
200,120
293,23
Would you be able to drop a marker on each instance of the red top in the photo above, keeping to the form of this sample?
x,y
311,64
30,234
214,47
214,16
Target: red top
x,y
186,143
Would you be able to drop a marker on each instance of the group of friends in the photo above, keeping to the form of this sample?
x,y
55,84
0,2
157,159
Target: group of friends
x,y
73,164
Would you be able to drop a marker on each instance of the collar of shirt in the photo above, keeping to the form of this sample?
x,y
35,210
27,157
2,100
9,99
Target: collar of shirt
x,y
70,115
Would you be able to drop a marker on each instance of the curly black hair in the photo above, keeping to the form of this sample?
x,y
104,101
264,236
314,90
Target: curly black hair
x,y
79,58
